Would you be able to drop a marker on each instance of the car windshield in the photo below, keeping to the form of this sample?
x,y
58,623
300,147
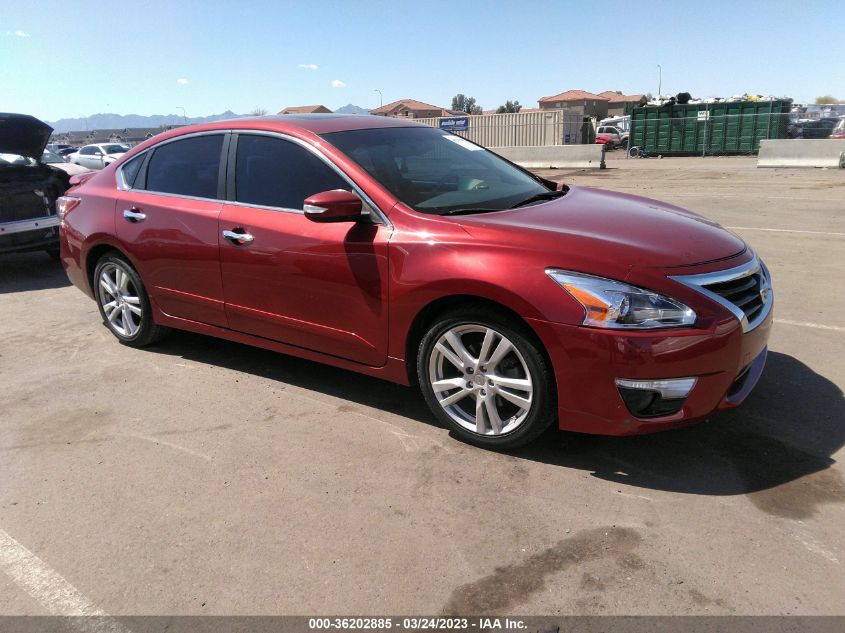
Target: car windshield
x,y
15,159
115,149
435,172
49,157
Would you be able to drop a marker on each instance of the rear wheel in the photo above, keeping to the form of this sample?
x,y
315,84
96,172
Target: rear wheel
x,y
486,379
124,304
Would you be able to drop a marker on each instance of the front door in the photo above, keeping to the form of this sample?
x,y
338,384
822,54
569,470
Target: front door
x,y
317,286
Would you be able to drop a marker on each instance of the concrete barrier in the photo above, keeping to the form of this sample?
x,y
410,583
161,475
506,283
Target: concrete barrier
x,y
802,152
555,156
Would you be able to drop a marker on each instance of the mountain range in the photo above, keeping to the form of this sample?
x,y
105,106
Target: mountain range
x,y
110,121
352,109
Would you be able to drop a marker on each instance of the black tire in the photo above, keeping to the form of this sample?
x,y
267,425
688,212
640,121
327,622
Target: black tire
x,y
148,332
543,408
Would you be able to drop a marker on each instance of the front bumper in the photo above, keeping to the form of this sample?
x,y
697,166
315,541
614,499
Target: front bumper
x,y
27,235
726,362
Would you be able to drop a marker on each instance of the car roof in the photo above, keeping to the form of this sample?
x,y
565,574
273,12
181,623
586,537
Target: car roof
x,y
301,125
314,123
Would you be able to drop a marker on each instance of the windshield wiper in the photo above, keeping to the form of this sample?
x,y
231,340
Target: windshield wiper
x,y
546,195
469,211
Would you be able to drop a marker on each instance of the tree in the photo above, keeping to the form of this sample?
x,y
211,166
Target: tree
x,y
258,112
466,104
509,107
826,99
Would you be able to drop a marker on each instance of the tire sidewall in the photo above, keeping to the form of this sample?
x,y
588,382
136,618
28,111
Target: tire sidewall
x,y
543,407
147,324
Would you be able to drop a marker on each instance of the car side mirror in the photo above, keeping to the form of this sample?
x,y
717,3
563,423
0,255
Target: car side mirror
x,y
337,205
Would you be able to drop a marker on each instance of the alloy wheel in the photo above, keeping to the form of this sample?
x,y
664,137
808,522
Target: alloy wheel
x,y
120,300
481,379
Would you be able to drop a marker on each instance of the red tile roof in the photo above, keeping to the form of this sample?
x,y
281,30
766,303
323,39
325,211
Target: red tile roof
x,y
615,97
307,109
573,95
411,104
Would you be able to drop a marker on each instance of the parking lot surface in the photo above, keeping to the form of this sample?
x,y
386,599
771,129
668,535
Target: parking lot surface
x,y
200,476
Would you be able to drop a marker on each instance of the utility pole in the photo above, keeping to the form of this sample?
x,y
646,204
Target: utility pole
x,y
380,97
659,80
184,117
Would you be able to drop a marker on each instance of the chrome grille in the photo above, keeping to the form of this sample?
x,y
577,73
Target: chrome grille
x,y
744,290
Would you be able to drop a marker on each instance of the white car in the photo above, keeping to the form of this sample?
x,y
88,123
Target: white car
x,y
54,160
99,155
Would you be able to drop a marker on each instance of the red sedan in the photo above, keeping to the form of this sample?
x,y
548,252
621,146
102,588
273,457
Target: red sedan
x,y
407,253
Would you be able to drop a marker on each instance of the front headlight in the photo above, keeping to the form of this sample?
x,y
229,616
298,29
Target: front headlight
x,y
613,304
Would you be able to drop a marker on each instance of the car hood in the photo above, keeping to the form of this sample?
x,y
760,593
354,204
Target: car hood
x,y
602,225
23,134
70,168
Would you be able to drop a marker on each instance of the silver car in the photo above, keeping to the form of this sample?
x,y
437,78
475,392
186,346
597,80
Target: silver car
x,y
99,155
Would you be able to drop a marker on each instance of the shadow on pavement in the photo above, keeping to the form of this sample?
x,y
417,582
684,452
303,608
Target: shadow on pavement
x,y
20,272
777,448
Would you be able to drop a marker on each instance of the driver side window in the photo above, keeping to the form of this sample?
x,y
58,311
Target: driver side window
x,y
273,172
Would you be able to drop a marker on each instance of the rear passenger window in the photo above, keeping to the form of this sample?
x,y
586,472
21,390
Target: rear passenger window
x,y
130,170
272,172
188,167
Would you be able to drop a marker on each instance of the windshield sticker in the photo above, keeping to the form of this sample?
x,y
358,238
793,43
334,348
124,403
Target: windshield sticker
x,y
464,143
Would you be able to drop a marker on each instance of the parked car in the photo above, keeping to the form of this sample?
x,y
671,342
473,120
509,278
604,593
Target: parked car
x,y
58,147
29,188
404,252
819,129
98,155
67,151
54,160
839,130
613,136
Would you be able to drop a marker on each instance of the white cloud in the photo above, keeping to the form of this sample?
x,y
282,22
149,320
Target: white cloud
x,y
182,81
337,83
20,33
309,66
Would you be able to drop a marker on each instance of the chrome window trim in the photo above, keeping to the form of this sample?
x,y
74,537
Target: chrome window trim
x,y
378,216
121,181
697,283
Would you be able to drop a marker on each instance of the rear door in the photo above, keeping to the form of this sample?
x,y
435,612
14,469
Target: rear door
x,y
89,157
318,286
167,221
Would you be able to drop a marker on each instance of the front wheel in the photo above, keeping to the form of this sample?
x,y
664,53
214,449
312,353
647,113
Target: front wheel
x,y
124,304
486,379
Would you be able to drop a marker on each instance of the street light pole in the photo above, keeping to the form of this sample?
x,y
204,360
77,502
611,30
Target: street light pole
x,y
380,97
659,80
184,117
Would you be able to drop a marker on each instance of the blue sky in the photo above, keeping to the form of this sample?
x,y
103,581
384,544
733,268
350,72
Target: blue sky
x,y
70,59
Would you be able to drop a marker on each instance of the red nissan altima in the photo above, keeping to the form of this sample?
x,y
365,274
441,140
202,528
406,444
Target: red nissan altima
x,y
403,252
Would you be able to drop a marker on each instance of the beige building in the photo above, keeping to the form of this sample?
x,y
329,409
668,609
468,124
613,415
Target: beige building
x,y
617,103
580,101
308,109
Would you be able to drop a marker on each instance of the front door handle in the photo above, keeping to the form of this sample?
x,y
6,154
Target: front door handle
x,y
238,237
134,215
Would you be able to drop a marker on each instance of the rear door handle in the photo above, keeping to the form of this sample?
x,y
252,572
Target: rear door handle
x,y
134,215
238,237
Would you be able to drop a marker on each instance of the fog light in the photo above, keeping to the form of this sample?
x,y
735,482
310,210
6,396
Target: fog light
x,y
654,398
